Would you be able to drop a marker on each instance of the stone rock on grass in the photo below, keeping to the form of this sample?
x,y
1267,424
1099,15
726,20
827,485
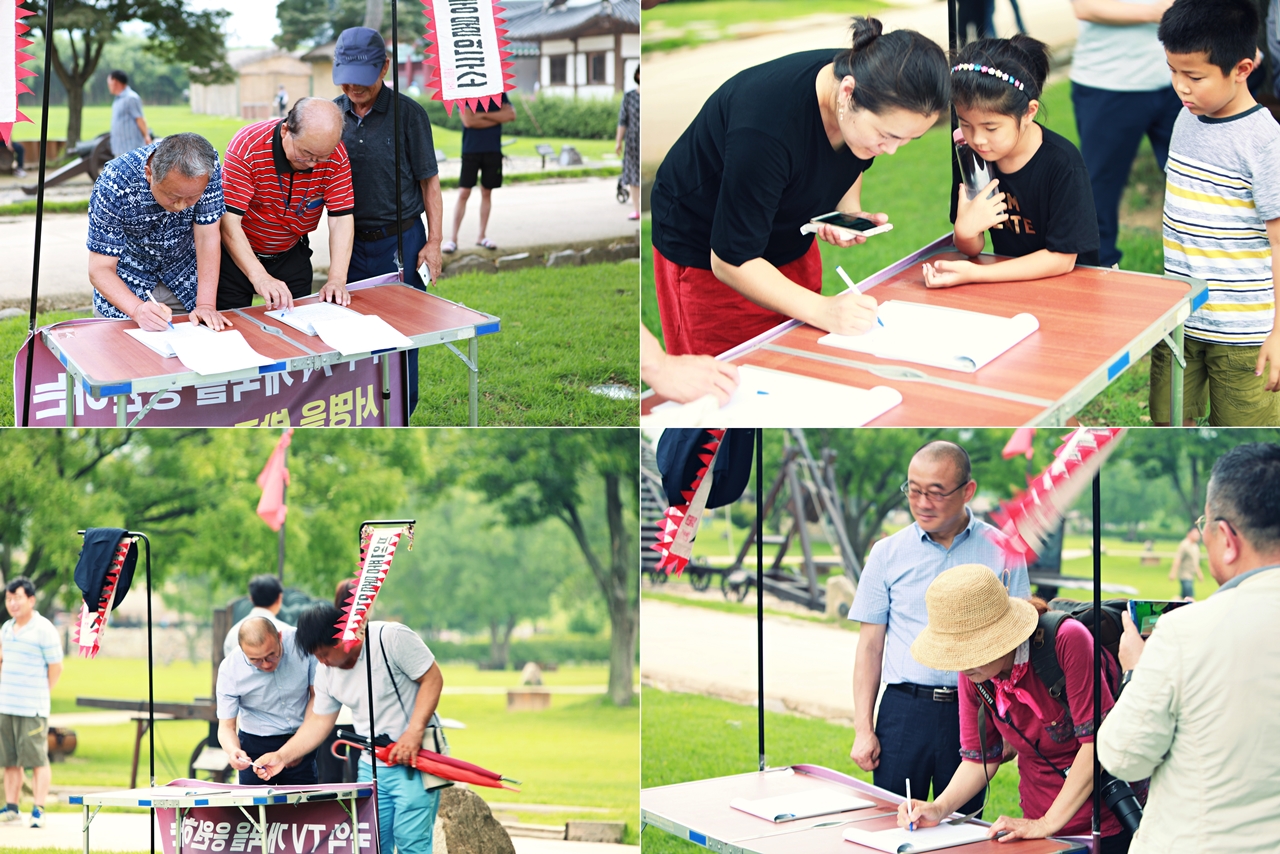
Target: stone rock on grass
x,y
518,261
623,251
469,827
566,258
469,264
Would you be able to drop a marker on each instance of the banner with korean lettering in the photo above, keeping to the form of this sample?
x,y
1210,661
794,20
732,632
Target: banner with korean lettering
x,y
469,57
377,549
12,45
320,827
347,394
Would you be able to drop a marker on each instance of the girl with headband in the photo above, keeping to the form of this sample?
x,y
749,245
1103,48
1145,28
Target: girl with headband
x,y
775,146
1039,207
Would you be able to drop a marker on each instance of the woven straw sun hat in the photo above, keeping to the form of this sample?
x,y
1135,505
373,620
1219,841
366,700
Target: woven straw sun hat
x,y
972,620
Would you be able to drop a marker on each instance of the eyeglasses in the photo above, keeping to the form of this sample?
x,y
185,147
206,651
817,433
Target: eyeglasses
x,y
915,494
266,659
1202,521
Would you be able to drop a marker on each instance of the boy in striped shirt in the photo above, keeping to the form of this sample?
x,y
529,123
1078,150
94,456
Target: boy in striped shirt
x,y
1221,218
30,664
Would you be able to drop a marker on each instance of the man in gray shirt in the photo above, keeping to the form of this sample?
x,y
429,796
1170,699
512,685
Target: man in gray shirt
x,y
128,127
264,691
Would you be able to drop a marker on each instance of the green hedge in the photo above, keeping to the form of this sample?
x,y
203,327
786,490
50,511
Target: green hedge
x,y
541,650
552,116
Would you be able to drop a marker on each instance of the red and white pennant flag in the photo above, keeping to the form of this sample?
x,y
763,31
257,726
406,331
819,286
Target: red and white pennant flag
x,y
378,545
12,73
469,56
90,626
680,524
1028,519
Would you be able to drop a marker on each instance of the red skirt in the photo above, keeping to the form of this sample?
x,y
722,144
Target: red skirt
x,y
702,315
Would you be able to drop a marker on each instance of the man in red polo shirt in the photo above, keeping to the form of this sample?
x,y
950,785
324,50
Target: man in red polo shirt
x,y
278,176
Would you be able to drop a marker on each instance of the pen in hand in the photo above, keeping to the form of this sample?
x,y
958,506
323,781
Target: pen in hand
x,y
849,284
151,295
911,825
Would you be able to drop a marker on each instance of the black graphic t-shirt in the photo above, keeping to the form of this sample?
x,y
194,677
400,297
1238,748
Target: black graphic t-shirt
x,y
1050,205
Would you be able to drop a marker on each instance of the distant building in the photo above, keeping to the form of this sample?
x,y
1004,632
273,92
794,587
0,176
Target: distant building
x,y
252,96
585,48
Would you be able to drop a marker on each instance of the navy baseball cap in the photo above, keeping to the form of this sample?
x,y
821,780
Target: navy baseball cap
x,y
358,57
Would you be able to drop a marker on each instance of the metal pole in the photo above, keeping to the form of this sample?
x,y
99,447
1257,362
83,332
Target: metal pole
x,y
284,491
760,589
1097,655
35,265
953,42
395,122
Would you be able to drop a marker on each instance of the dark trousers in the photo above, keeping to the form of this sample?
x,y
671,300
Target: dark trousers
x,y
920,740
292,267
377,257
1111,125
302,774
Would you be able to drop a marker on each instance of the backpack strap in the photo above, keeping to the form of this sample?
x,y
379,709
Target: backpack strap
x,y
1044,655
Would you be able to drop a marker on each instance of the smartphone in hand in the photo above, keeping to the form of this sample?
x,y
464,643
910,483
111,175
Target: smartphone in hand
x,y
849,222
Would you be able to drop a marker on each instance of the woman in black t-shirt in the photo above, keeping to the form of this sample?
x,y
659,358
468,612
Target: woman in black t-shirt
x,y
1041,214
775,146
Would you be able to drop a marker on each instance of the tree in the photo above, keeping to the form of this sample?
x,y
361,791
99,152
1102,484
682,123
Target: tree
x,y
175,33
532,475
308,24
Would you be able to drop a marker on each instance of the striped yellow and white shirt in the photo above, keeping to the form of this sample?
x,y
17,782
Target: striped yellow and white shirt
x,y
1223,184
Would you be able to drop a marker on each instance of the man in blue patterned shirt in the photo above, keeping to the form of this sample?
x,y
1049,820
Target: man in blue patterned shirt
x,y
916,734
153,230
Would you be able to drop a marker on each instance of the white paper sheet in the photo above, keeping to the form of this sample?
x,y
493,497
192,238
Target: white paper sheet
x,y
766,398
932,335
302,317
899,840
364,333
162,342
798,805
218,353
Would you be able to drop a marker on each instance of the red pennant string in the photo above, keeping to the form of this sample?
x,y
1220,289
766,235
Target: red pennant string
x,y
375,562
90,626
670,561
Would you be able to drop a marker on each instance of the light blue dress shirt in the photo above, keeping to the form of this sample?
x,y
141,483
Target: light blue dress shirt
x,y
897,573
267,703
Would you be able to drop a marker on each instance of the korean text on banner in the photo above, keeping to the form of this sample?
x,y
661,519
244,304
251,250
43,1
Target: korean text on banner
x,y
469,57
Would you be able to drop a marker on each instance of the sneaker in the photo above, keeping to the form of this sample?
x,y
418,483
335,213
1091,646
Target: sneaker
x,y
19,173
9,816
37,817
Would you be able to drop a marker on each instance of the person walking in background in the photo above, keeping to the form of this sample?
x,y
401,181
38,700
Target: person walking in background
x,y
282,101
128,126
629,131
481,155
1121,93
1186,563
30,664
267,595
19,159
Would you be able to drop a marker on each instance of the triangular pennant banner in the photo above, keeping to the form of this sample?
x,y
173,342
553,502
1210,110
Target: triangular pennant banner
x,y
378,545
468,55
680,525
90,625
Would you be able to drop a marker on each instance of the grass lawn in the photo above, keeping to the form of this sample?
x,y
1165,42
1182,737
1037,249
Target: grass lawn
x,y
564,329
674,25
912,186
687,737
219,130
582,752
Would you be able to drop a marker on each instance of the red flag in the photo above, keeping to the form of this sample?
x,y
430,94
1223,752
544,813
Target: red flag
x,y
1020,443
272,481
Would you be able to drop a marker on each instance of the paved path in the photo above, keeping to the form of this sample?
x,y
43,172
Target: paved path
x,y
808,666
676,83
573,211
131,832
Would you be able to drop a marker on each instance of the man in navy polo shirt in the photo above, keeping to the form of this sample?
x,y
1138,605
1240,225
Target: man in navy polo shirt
x,y
153,230
279,176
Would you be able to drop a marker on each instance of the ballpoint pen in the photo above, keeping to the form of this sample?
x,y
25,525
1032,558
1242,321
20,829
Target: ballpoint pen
x,y
911,825
151,295
849,283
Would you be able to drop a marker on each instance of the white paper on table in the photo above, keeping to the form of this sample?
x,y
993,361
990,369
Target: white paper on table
x,y
364,333
302,317
766,398
899,840
218,353
798,805
162,341
934,335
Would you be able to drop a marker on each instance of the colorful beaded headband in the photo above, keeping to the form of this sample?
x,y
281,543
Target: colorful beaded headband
x,y
987,69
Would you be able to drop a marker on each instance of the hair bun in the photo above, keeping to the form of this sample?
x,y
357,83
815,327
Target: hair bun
x,y
865,31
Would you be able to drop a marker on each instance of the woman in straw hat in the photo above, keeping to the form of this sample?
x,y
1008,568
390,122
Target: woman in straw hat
x,y
976,628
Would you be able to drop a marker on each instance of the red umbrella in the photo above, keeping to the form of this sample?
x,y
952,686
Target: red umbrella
x,y
437,765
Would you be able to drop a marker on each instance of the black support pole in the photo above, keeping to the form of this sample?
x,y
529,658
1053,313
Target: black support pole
x,y
35,265
1097,656
395,123
760,588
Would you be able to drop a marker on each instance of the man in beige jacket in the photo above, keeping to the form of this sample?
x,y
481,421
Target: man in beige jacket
x,y
1198,713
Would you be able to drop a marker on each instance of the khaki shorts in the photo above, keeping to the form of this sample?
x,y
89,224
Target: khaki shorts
x,y
24,742
1220,376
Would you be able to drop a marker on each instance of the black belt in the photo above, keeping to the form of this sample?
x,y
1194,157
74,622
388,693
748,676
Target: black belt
x,y
387,231
938,695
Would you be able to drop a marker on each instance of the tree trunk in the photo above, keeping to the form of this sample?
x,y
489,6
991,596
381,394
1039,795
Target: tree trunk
x,y
500,642
75,104
74,79
373,14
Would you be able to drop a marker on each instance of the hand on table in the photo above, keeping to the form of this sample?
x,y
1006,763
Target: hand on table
x,y
1020,828
866,751
336,293
687,378
209,316
848,313
275,293
922,814
948,274
153,316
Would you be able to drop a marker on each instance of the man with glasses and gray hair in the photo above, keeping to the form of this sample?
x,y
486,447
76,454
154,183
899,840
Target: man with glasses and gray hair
x,y
264,691
916,734
153,234
280,175
1198,711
